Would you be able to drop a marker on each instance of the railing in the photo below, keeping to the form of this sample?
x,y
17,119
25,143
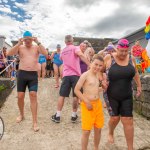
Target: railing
x,y
13,79
7,66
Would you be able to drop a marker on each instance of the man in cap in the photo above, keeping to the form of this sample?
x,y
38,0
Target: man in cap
x,y
27,74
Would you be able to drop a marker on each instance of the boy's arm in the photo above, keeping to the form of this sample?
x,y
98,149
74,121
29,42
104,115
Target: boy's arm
x,y
77,91
79,85
14,50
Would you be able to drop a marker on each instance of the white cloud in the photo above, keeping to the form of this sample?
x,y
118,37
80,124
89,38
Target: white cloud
x,y
8,6
5,9
52,20
19,5
9,28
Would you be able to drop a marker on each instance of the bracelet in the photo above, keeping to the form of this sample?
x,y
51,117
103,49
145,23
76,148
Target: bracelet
x,y
38,43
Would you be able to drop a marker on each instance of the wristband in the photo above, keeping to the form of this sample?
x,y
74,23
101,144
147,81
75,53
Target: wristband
x,y
38,43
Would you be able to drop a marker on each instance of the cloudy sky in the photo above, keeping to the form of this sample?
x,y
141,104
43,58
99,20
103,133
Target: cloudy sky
x,y
51,20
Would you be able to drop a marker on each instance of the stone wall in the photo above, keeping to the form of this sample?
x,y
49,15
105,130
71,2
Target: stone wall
x,y
6,92
142,103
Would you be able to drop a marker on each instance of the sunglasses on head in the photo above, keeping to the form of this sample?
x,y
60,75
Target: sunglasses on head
x,y
123,45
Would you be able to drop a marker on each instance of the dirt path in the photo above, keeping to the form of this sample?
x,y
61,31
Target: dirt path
x,y
63,136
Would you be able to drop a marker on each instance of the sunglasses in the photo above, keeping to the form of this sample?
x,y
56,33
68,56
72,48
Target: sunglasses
x,y
123,45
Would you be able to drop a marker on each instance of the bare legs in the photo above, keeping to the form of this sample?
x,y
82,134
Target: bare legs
x,y
41,70
56,75
34,105
57,72
60,70
85,138
97,136
21,96
128,129
75,104
60,103
113,121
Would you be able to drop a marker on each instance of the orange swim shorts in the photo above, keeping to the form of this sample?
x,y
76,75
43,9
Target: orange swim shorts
x,y
90,118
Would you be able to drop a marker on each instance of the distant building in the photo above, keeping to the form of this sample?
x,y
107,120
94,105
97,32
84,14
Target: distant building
x,y
97,43
14,42
3,43
137,35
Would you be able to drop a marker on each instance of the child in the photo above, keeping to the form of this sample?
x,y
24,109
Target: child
x,y
91,105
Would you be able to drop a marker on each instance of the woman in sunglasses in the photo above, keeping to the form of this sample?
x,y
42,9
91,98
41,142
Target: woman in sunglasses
x,y
120,69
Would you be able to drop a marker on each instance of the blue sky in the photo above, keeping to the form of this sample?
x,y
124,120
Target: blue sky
x,y
19,14
51,20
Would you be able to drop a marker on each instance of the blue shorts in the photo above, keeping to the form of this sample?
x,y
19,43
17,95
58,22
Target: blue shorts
x,y
41,61
58,64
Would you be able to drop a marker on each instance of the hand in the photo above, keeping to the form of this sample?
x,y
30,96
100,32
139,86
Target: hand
x,y
139,91
89,106
105,84
20,41
35,40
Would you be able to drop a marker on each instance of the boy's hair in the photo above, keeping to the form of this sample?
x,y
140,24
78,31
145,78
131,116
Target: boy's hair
x,y
98,56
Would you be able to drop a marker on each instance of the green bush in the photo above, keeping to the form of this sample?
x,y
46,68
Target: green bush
x,y
2,87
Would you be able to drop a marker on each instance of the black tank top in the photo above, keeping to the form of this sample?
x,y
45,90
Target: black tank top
x,y
120,80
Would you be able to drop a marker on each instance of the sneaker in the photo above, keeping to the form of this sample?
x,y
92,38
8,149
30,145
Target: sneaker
x,y
55,119
74,119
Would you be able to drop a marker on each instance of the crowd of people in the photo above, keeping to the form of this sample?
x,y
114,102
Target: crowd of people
x,y
79,69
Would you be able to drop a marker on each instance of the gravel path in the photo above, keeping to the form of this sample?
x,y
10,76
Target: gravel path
x,y
63,136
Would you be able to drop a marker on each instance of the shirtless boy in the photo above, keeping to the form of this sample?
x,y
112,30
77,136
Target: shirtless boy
x,y
91,106
27,74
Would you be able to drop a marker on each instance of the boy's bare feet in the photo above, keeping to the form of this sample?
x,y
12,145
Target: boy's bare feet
x,y
36,128
110,139
19,119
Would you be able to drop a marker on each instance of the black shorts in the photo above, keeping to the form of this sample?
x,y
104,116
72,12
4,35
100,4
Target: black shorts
x,y
48,67
51,67
122,107
68,83
17,66
27,78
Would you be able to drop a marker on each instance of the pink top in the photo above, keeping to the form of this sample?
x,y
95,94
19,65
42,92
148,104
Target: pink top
x,y
71,61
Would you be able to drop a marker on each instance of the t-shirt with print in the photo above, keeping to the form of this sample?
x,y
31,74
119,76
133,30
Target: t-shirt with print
x,y
71,61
